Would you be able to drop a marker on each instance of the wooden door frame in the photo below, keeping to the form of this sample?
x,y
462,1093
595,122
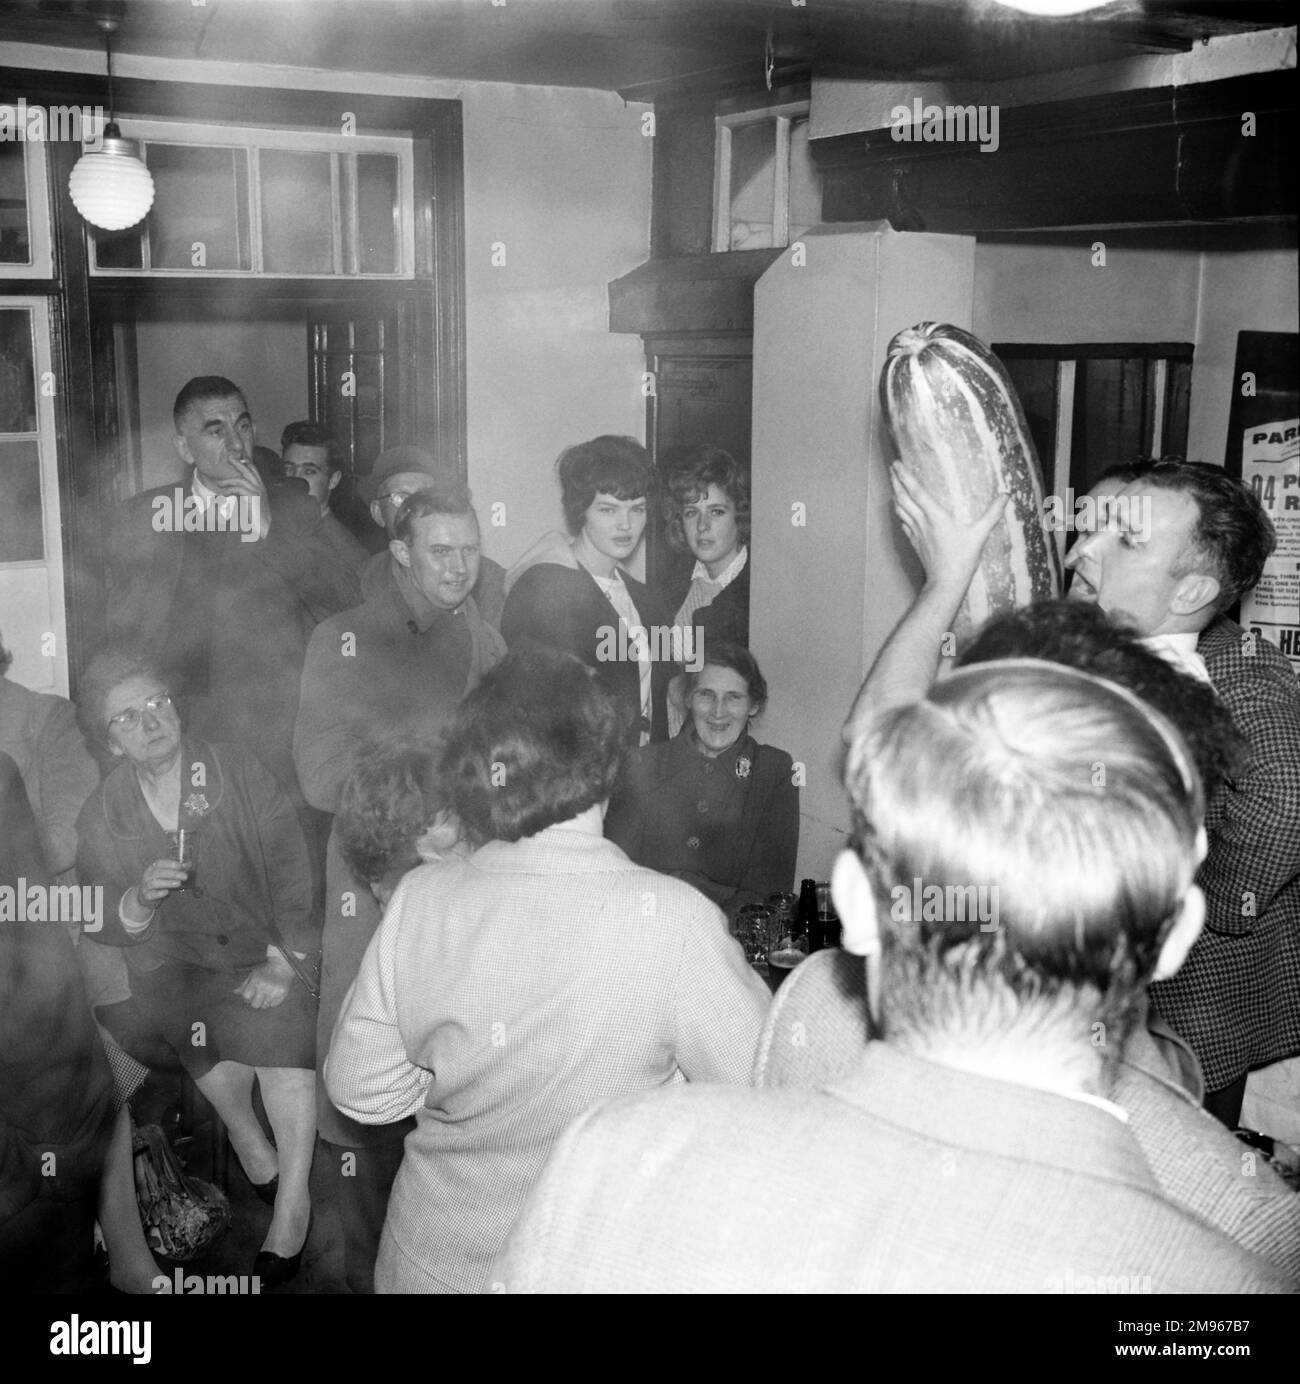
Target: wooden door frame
x,y
81,303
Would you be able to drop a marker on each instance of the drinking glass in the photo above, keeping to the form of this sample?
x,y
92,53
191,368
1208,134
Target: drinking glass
x,y
184,843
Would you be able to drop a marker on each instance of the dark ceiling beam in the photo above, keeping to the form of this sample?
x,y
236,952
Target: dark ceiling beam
x,y
1168,156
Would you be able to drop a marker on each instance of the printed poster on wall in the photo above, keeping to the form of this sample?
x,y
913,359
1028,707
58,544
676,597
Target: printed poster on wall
x,y
1264,450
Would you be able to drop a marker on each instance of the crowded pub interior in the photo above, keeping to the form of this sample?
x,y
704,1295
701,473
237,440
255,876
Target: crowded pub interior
x,y
648,646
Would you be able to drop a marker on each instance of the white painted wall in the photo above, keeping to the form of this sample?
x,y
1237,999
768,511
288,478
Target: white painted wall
x,y
561,179
1251,289
826,592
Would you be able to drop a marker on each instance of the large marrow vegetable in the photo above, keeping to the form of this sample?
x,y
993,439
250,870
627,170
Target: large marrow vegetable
x,y
958,426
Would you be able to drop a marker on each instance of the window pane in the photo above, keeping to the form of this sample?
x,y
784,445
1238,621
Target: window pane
x,y
200,213
377,213
753,178
21,532
15,237
805,183
1035,384
1110,405
17,372
118,249
297,213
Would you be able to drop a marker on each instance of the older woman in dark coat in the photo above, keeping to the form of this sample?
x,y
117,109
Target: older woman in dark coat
x,y
216,950
713,806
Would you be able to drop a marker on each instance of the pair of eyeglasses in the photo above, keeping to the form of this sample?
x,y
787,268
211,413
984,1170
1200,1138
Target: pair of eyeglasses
x,y
130,718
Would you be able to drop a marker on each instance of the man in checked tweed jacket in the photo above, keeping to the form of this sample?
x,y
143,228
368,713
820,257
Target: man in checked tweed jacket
x,y
1202,546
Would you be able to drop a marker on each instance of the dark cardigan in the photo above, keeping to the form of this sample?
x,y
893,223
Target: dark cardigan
x,y
729,826
726,617
564,608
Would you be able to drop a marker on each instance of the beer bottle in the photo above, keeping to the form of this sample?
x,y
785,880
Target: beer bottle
x,y
806,922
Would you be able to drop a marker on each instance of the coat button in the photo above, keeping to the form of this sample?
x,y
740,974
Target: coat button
x,y
693,842
702,805
222,940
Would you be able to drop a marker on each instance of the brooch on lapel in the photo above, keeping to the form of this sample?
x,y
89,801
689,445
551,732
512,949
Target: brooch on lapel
x,y
197,805
742,767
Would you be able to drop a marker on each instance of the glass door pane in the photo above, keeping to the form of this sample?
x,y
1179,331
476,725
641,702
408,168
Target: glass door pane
x,y
31,550
15,232
200,213
299,221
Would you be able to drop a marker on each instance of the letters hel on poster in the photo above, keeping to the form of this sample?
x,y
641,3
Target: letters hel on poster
x,y
1264,450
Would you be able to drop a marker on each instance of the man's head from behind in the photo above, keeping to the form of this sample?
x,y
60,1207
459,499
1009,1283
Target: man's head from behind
x,y
1081,635
1026,841
1204,543
214,431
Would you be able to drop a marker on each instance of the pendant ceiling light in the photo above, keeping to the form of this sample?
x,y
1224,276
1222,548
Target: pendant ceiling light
x,y
110,185
1054,9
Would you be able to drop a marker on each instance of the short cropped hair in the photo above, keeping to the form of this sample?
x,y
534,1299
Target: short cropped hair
x,y
110,668
722,654
1233,537
202,389
439,498
1068,796
389,801
689,472
538,741
308,434
1080,634
607,465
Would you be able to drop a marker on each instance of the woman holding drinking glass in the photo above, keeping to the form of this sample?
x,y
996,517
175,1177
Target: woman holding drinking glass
x,y
713,806
216,947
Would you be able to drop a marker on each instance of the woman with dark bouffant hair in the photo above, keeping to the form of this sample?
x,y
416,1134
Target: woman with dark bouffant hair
x,y
506,993
573,592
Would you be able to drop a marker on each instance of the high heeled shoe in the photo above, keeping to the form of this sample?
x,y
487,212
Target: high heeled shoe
x,y
274,1269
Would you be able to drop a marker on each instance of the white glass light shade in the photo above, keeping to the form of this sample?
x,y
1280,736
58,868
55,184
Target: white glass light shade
x,y
110,186
1054,9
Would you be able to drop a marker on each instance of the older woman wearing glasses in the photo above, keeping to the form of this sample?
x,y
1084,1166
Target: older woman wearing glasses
x,y
218,945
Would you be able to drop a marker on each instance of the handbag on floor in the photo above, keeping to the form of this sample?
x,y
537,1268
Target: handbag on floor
x,y
181,1215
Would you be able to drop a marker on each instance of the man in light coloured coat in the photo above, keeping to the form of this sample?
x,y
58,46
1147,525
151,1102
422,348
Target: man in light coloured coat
x,y
976,1147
